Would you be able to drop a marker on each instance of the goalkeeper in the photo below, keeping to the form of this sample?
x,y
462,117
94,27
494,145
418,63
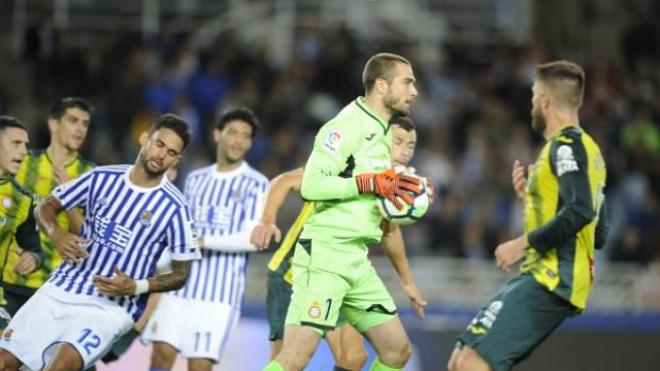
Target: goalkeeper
x,y
349,166
345,342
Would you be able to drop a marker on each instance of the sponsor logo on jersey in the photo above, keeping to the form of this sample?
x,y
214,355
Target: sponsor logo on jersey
x,y
565,160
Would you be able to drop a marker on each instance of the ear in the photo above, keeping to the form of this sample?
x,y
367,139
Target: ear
x,y
216,135
144,138
381,85
545,101
52,124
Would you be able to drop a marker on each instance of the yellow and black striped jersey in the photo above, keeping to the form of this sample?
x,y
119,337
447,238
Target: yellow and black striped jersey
x,y
36,177
280,263
563,218
17,223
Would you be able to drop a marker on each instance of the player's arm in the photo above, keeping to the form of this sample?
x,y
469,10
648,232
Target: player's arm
x,y
173,280
239,241
279,188
569,164
395,250
603,226
69,245
27,238
123,285
325,176
75,220
333,146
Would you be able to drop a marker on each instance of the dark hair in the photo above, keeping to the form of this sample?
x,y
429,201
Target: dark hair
x,y
241,113
380,65
59,108
11,122
405,122
565,80
174,123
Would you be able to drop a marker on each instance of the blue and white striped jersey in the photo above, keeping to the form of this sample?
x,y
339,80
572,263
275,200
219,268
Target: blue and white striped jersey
x,y
225,206
127,226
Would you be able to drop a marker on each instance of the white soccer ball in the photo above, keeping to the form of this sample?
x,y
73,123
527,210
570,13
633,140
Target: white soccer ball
x,y
409,214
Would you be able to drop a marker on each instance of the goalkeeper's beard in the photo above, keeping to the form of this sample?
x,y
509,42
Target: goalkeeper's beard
x,y
390,103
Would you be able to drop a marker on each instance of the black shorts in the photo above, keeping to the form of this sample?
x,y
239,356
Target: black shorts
x,y
278,297
14,301
514,322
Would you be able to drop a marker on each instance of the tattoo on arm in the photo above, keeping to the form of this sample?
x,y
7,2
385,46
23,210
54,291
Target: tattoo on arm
x,y
173,280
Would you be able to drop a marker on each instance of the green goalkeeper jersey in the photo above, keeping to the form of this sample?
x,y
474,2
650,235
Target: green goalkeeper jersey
x,y
355,141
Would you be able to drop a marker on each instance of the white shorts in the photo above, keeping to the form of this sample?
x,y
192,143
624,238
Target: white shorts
x,y
195,328
52,316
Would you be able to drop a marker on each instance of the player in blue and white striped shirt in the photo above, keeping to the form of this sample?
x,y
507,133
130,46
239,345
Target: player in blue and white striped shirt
x,y
226,200
132,214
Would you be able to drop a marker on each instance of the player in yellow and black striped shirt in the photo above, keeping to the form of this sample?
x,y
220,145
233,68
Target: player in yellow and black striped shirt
x,y
40,172
345,342
564,220
17,223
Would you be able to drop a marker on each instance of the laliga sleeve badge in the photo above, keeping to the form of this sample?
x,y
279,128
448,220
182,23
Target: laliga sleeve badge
x,y
314,310
332,141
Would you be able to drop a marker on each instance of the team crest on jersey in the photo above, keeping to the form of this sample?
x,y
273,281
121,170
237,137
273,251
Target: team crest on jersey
x,y
145,218
236,194
7,334
314,310
333,140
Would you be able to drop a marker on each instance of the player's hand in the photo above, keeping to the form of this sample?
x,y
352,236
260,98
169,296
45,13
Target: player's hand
x,y
70,246
417,301
508,253
60,174
119,285
263,233
519,179
390,185
27,263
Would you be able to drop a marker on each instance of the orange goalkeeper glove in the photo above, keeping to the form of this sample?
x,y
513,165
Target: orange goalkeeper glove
x,y
390,185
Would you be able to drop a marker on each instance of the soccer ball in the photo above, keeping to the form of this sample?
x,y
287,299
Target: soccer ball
x,y
409,214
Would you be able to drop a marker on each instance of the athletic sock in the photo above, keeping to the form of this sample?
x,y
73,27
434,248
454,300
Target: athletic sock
x,y
274,366
378,365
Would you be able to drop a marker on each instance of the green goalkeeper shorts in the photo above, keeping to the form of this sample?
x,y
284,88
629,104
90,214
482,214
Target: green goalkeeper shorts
x,y
332,278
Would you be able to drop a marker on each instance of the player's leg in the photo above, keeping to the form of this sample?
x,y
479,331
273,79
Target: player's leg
x,y
206,331
347,347
298,347
511,326
163,355
452,365
8,361
164,330
391,343
64,358
369,307
122,345
470,360
200,364
315,302
278,297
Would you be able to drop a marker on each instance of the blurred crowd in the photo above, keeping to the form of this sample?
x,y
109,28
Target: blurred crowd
x,y
472,116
